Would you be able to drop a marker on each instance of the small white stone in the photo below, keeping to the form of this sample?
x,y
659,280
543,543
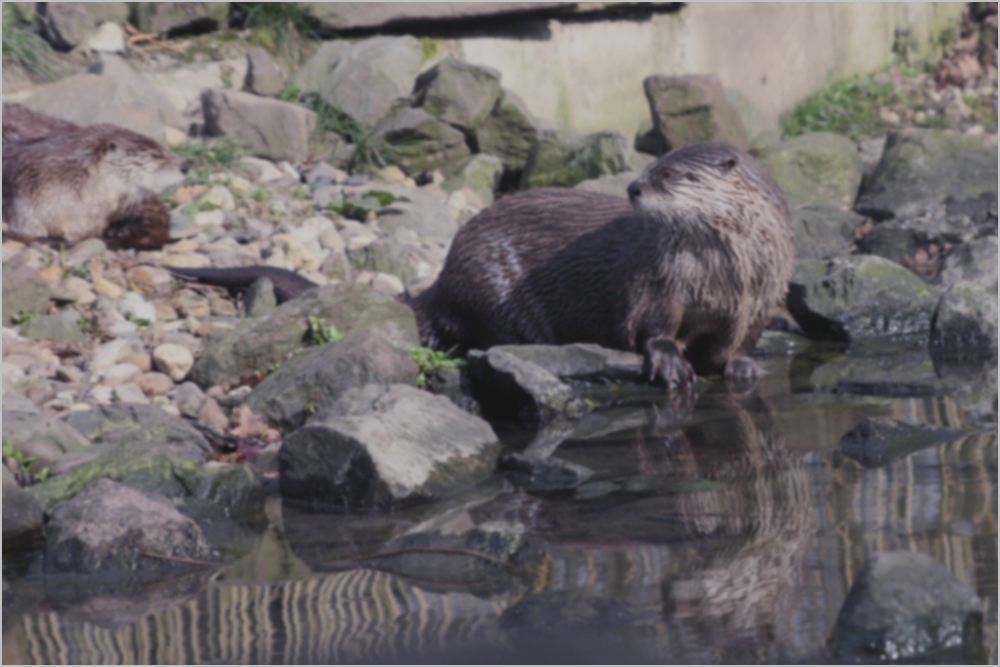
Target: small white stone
x,y
332,240
108,38
119,374
174,137
289,170
133,304
79,288
241,186
130,393
388,284
109,354
121,329
210,218
260,170
220,197
174,360
101,394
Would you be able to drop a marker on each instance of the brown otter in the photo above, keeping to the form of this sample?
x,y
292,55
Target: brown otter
x,y
689,277
66,182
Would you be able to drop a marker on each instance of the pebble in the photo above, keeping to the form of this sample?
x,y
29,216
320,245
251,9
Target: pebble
x,y
130,393
109,354
140,360
122,329
69,374
387,284
174,360
119,374
150,280
100,394
187,260
133,304
261,170
210,218
220,197
154,383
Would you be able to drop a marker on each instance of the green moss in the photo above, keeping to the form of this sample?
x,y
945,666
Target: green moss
x,y
432,48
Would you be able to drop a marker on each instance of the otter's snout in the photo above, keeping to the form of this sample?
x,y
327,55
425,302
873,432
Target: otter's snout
x,y
634,191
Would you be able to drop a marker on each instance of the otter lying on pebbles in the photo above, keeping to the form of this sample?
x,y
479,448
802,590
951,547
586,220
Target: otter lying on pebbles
x,y
65,182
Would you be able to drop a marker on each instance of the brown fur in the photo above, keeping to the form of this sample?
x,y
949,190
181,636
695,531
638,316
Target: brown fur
x,y
695,269
69,183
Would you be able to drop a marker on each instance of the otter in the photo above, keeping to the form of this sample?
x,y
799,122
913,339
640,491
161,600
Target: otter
x,y
65,182
688,275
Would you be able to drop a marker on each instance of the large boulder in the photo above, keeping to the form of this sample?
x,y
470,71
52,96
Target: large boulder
x,y
859,296
416,142
481,174
692,108
964,325
110,527
261,344
906,607
311,380
175,17
22,516
820,168
271,128
566,157
69,23
458,93
509,132
936,185
975,261
404,446
824,232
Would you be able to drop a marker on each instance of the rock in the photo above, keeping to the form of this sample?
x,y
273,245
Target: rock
x,y
509,132
964,325
24,290
154,384
118,374
761,132
580,361
39,436
389,256
411,446
152,281
975,261
692,108
268,341
363,79
309,382
260,299
274,129
824,232
613,185
819,168
180,17
22,516
416,142
140,427
506,385
109,354
906,607
423,213
108,38
130,392
859,296
458,93
648,140
543,474
877,441
388,284
111,527
323,173
263,76
174,360
69,23
939,186
898,375
340,16
454,384
263,171
220,197
52,327
481,174
890,240
566,157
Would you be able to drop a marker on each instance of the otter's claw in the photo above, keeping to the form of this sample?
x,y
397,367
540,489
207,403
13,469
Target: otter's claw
x,y
664,362
742,374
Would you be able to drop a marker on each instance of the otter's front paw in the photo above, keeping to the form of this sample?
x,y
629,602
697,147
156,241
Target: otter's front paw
x,y
664,362
742,374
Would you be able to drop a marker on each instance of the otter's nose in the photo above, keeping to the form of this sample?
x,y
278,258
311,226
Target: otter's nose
x,y
634,191
185,167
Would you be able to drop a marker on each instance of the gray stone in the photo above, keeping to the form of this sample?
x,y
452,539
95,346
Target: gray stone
x,y
481,174
648,140
259,299
692,108
824,232
581,361
975,261
263,76
24,291
898,375
389,256
819,168
890,239
941,186
39,436
168,17
964,326
906,607
138,426
458,93
423,213
613,185
261,344
412,446
271,128
877,441
856,297
317,377
70,22
543,474
416,142
509,132
22,516
52,327
761,132
566,157
110,527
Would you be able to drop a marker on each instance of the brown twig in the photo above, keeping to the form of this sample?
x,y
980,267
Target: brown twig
x,y
175,559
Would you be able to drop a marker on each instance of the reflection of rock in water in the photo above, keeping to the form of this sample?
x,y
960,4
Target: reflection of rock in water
x,y
765,496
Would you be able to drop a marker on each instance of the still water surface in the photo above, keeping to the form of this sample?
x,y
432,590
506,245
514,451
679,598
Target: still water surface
x,y
728,529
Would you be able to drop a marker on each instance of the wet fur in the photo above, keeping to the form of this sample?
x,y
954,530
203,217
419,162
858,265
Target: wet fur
x,y
695,268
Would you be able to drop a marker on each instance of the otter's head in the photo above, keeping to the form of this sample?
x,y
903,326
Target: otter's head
x,y
139,162
699,182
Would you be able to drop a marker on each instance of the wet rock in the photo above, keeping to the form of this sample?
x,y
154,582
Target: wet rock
x,y
309,382
855,297
52,327
174,360
481,175
263,76
692,108
22,516
272,128
566,157
877,441
823,232
543,474
938,186
39,436
416,142
901,374
509,132
906,607
975,261
819,168
111,527
581,361
508,386
454,384
964,325
68,23
410,446
458,93
613,185
24,290
180,17
269,340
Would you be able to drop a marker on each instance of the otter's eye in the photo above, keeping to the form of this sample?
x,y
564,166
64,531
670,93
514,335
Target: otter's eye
x,y
668,173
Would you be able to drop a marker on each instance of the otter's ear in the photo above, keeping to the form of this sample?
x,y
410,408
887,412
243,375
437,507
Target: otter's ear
x,y
726,165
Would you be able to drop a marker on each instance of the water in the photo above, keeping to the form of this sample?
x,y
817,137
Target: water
x,y
727,530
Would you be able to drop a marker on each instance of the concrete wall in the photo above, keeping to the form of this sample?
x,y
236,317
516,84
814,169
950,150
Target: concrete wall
x,y
588,75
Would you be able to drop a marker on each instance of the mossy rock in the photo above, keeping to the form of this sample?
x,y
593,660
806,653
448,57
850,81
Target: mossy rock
x,y
820,168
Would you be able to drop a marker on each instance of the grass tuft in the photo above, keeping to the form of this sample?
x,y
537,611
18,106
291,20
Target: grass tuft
x,y
206,156
24,48
848,107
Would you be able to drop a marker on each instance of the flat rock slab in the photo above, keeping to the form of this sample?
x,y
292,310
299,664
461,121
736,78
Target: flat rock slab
x,y
410,446
272,128
692,108
581,361
877,441
111,527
